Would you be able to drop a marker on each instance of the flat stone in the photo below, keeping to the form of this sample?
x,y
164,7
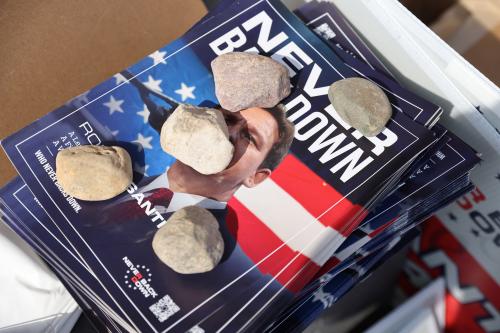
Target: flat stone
x,y
361,104
190,242
94,173
244,80
198,137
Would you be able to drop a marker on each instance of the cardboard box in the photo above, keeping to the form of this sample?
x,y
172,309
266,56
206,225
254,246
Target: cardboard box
x,y
472,28
427,10
54,50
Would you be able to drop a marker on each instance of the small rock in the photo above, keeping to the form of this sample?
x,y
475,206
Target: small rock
x,y
94,173
190,241
361,104
198,137
244,80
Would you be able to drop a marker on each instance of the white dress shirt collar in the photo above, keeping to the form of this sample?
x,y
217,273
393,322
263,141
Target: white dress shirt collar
x,y
181,200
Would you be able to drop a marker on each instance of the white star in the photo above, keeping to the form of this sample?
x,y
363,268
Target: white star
x,y
325,298
114,105
326,278
83,97
144,142
141,168
153,84
158,57
144,114
80,100
185,91
114,133
120,78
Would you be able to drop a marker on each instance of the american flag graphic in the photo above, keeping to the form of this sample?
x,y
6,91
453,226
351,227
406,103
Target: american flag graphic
x,y
280,242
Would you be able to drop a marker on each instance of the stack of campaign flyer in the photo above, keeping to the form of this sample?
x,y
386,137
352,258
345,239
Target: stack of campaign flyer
x,y
337,206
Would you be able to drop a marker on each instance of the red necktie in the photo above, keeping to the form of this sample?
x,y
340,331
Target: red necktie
x,y
160,197
131,209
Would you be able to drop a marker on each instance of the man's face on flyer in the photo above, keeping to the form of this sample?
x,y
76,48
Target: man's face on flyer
x,y
253,132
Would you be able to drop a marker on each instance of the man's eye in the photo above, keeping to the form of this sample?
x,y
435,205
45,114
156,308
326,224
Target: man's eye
x,y
250,137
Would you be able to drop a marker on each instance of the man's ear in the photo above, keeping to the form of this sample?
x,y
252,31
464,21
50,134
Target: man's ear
x,y
258,177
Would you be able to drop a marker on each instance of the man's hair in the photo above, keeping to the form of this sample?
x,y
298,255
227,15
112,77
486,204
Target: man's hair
x,y
286,131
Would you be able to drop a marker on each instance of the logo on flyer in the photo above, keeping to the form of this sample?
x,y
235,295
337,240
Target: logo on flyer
x,y
138,277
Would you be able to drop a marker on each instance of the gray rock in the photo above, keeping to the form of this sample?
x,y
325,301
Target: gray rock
x,y
190,242
361,104
198,137
94,173
244,80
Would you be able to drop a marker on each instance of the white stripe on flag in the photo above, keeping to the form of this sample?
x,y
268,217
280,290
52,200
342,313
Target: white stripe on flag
x,y
289,221
341,256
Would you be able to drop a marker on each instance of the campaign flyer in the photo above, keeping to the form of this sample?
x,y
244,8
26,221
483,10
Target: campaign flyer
x,y
328,22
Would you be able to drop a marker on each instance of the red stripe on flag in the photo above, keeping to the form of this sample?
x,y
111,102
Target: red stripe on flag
x,y
317,196
382,228
294,278
328,266
258,241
